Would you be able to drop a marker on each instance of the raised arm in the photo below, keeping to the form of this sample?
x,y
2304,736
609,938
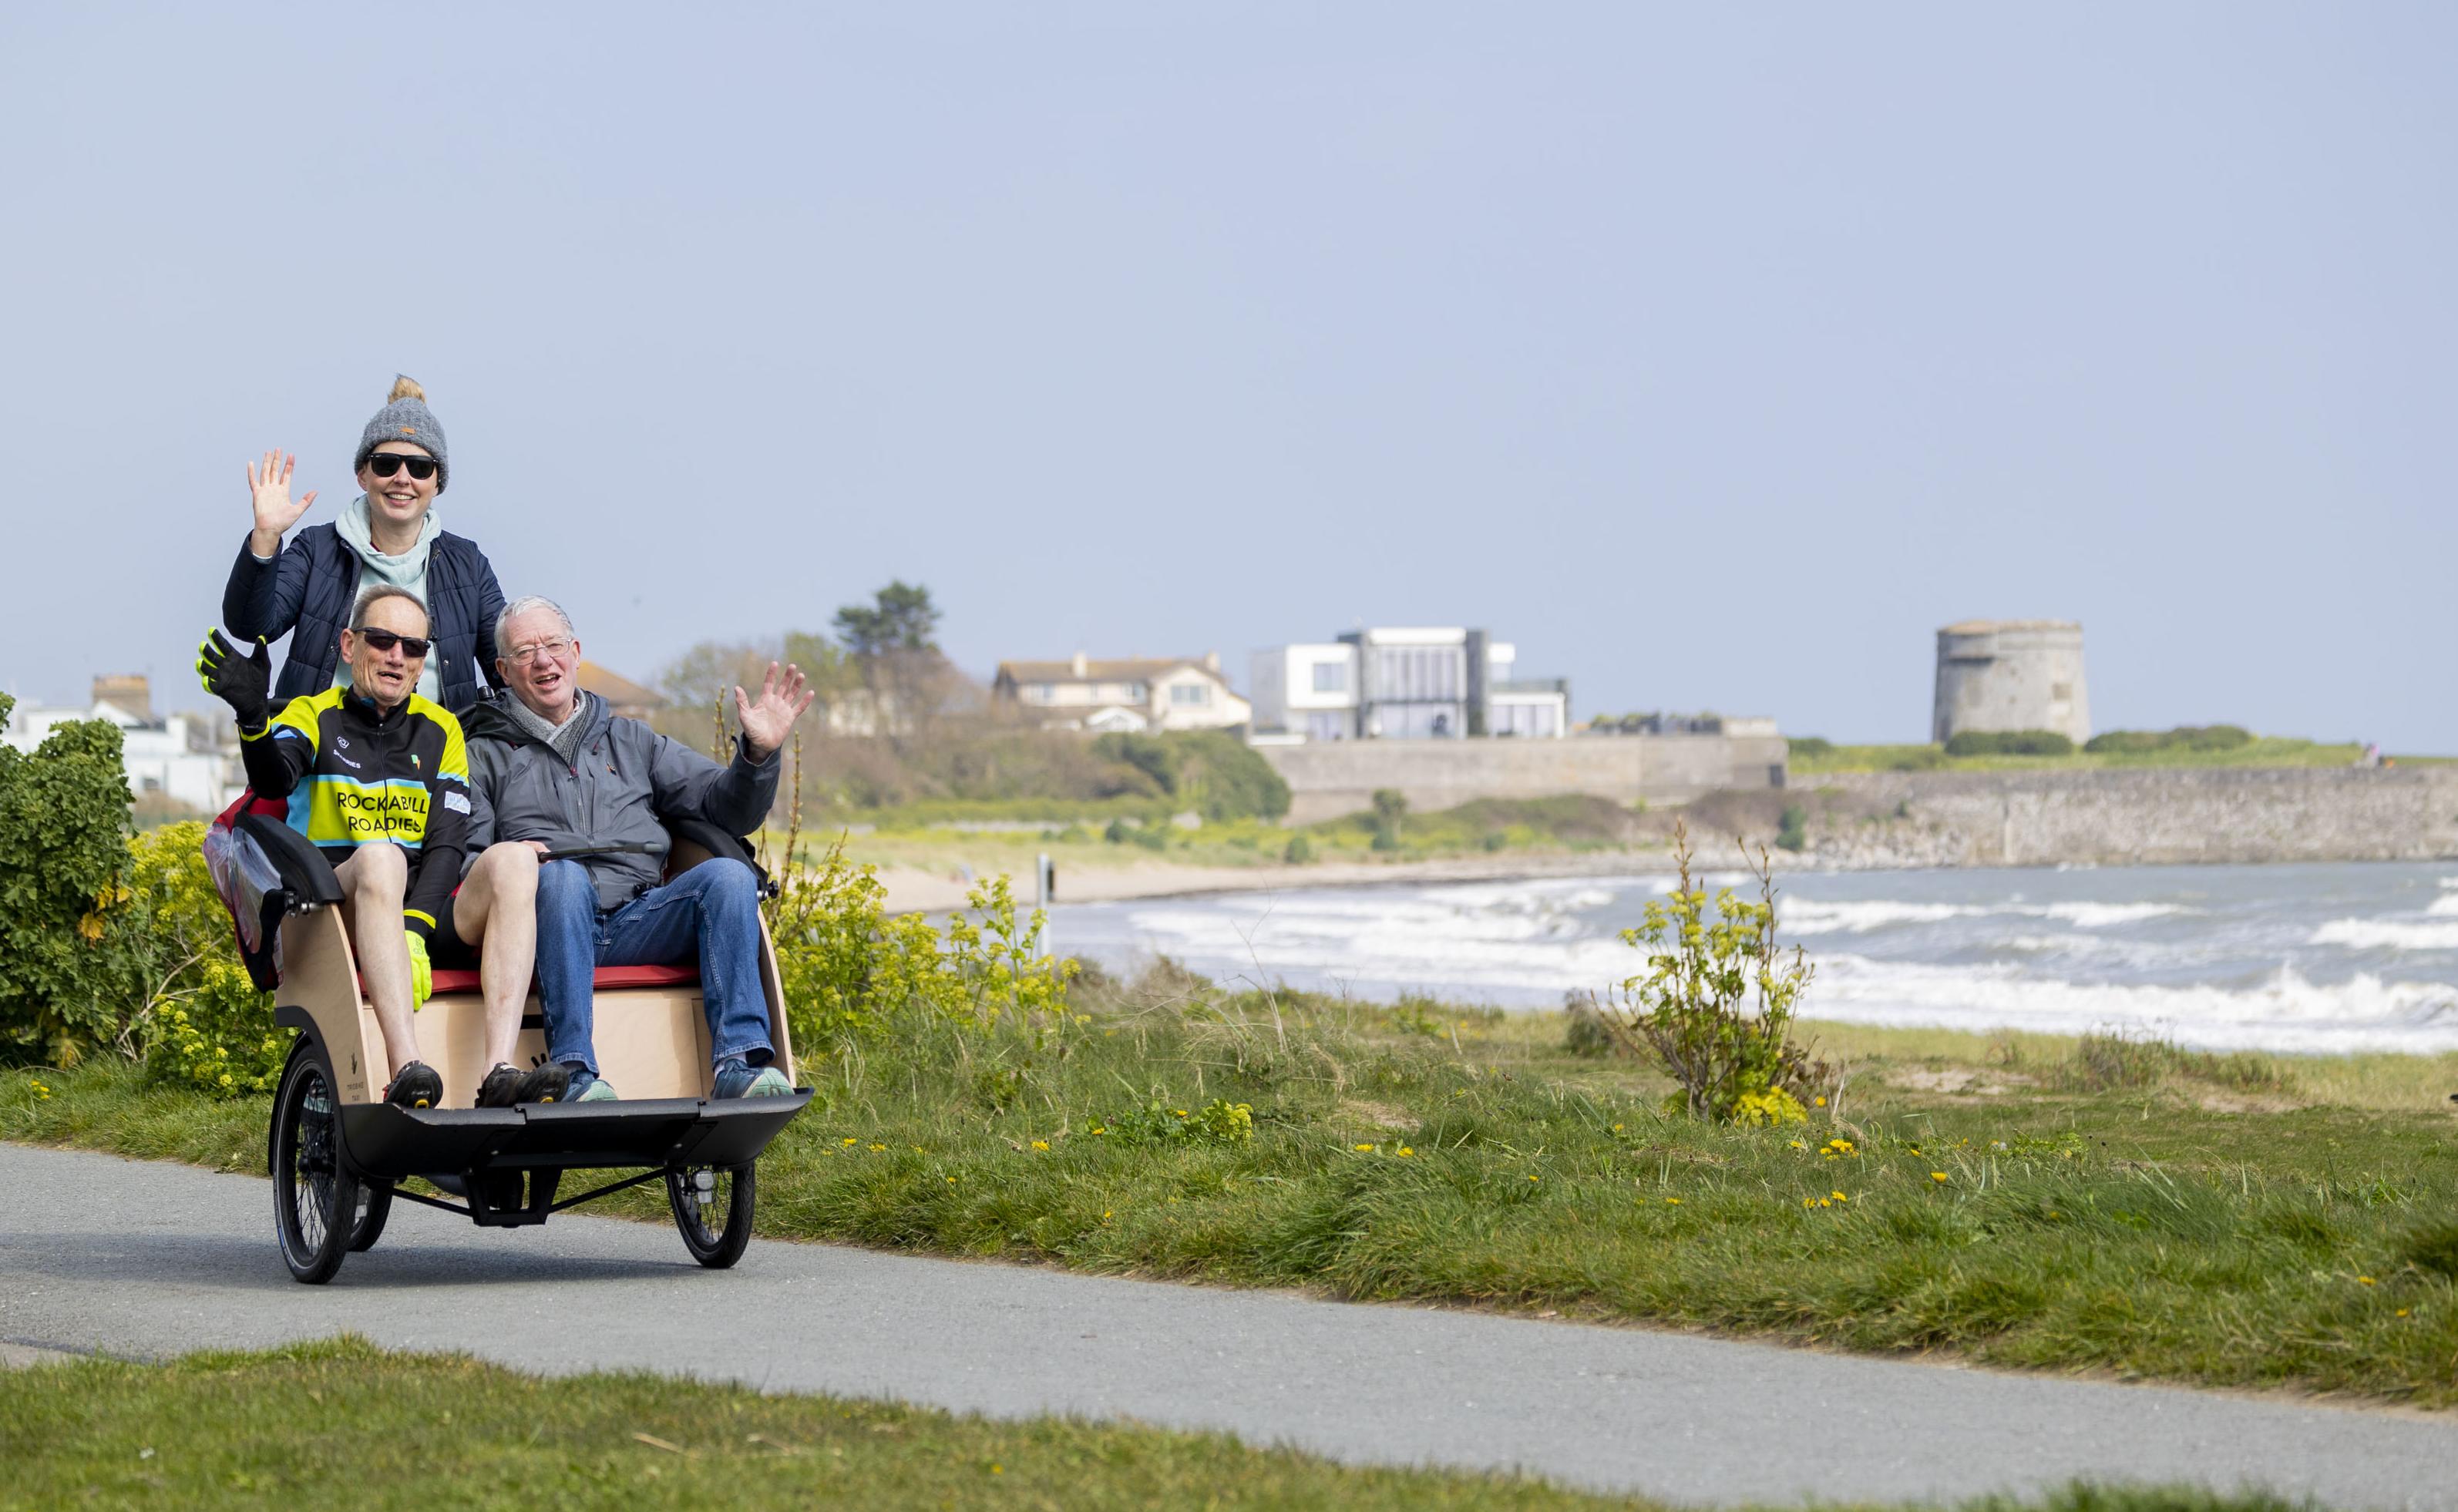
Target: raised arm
x,y
266,582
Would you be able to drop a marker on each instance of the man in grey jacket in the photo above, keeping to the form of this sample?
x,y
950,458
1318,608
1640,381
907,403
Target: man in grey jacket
x,y
552,769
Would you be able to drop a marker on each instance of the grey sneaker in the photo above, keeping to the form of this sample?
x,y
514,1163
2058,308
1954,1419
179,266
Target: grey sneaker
x,y
587,1086
736,1078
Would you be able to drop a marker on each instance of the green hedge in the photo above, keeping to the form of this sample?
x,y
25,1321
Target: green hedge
x,y
2010,742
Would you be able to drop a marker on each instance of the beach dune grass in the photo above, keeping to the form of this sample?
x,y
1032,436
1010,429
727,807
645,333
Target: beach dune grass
x,y
2228,1221
341,1422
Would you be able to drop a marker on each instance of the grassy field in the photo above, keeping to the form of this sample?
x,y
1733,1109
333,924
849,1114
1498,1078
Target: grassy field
x,y
2104,1204
1557,825
345,1424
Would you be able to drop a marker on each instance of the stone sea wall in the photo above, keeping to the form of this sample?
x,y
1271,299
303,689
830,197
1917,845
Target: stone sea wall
x,y
2137,817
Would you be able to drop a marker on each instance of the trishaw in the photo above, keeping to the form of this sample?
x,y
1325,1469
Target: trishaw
x,y
338,1153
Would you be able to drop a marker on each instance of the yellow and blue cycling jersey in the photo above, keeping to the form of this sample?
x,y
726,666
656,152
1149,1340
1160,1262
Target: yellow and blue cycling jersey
x,y
351,775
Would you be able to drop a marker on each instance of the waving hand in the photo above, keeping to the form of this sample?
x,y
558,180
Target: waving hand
x,y
269,484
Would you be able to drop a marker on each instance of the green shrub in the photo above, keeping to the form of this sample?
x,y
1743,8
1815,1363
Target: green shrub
x,y
1916,759
1390,807
853,972
204,1022
1210,770
1714,1005
1792,831
1117,831
1812,746
2184,737
1218,1122
1299,851
73,952
2010,742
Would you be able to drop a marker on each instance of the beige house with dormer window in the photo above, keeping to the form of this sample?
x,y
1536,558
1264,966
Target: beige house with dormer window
x,y
1130,693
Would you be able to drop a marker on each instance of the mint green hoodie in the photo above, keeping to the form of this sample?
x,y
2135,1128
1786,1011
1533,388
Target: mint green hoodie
x,y
406,571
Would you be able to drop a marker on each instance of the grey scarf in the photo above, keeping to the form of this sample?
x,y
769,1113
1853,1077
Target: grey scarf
x,y
563,739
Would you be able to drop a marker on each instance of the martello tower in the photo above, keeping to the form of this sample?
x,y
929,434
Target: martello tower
x,y
2011,675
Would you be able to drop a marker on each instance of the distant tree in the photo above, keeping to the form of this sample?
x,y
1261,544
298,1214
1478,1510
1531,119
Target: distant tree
x,y
893,643
901,618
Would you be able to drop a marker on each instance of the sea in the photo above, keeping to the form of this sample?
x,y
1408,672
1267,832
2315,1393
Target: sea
x,y
2310,957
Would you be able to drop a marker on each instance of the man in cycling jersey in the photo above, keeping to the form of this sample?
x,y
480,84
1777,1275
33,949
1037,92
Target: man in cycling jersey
x,y
378,779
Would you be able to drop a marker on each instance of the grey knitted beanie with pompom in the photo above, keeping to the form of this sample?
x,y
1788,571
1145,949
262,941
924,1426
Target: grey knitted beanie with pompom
x,y
406,417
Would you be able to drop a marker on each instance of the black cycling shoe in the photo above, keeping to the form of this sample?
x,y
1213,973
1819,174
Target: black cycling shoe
x,y
506,1085
416,1087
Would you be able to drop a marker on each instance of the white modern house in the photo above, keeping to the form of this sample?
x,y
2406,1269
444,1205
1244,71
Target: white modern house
x,y
1131,693
1402,683
172,757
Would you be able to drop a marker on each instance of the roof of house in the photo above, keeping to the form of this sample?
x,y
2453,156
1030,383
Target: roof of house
x,y
617,688
1120,668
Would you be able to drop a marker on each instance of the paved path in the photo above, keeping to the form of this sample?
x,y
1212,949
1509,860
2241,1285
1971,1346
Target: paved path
x,y
134,1259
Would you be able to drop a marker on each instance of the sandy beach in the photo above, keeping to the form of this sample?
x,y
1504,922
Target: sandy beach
x,y
914,889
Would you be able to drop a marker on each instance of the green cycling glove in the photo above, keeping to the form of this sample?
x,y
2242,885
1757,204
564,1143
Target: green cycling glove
x,y
243,682
422,975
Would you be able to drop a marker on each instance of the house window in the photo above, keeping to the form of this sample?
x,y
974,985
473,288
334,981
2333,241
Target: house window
x,y
1190,695
1325,725
1136,693
1038,692
1331,677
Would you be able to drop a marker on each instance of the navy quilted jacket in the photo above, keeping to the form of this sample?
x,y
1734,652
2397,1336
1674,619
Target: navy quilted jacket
x,y
307,591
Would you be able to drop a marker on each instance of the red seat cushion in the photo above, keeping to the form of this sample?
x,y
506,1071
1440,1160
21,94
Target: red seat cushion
x,y
444,982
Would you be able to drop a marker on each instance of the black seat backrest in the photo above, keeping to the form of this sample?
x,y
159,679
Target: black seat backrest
x,y
305,873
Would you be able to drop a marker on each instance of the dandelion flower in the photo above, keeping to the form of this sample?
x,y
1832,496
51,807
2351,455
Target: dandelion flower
x,y
2366,1280
1840,1198
1809,1202
1617,1129
1797,1144
951,1181
1672,1202
1531,1178
1364,1150
849,1139
1041,1144
1821,1102
878,1149
1406,1151
1937,1176
2402,1312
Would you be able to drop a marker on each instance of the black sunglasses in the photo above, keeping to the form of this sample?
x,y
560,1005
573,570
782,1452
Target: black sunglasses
x,y
411,645
384,463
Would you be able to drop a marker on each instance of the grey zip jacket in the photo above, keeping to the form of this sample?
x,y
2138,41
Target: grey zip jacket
x,y
625,782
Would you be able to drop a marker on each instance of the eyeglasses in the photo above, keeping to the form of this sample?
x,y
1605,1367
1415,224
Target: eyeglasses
x,y
411,645
541,651
384,463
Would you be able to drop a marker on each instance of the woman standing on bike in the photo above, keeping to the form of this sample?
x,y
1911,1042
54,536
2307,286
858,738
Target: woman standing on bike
x,y
388,534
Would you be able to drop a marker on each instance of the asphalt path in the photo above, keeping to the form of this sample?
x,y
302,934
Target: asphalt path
x,y
145,1260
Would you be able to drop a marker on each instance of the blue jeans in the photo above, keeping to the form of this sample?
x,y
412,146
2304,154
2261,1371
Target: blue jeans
x,y
714,907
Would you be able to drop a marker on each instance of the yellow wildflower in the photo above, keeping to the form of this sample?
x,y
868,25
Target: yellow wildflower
x,y
2365,1280
878,1149
1937,1176
2402,1312
1672,1202
849,1139
1406,1151
1819,1102
1364,1150
1041,1144
1840,1198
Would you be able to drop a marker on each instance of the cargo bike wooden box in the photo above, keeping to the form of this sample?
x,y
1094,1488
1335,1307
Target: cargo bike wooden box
x,y
338,1153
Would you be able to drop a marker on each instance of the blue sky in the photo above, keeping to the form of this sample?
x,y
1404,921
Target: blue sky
x,y
1714,355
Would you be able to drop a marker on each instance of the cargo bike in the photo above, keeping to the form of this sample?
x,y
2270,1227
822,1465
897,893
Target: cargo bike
x,y
338,1153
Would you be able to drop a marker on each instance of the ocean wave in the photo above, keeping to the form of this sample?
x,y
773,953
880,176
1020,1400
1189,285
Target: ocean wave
x,y
2388,934
2284,1010
1815,918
